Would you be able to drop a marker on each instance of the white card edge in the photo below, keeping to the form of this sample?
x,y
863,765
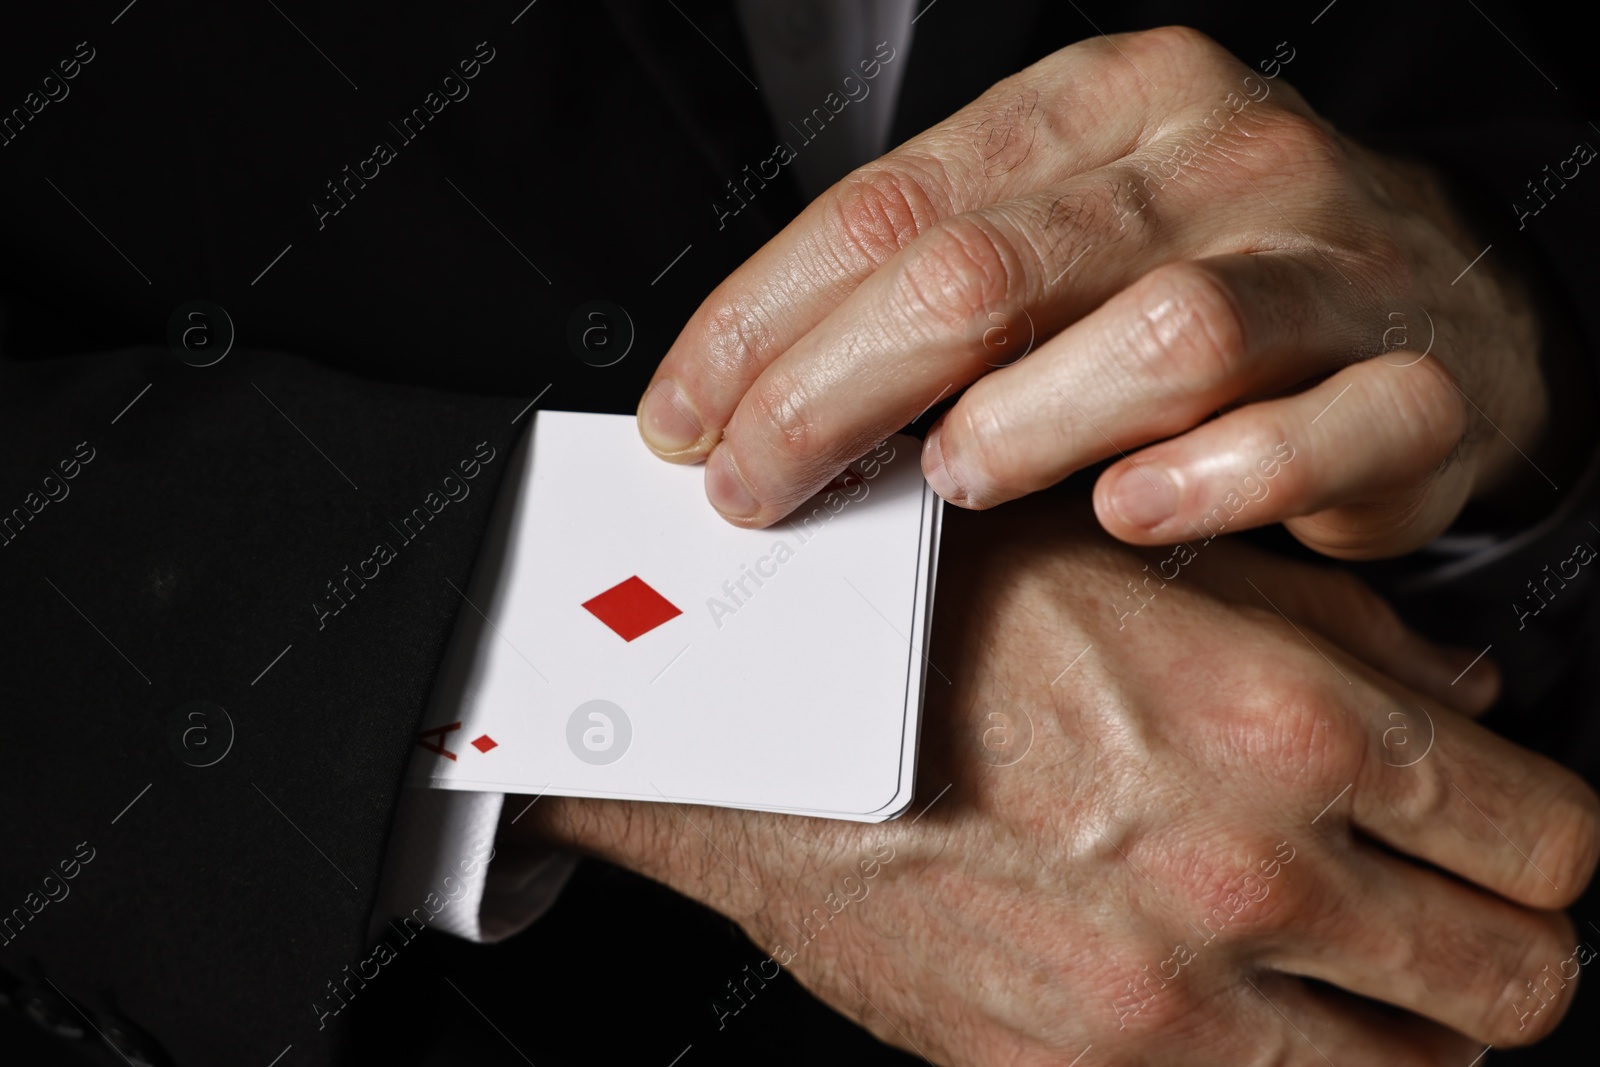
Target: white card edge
x,y
900,803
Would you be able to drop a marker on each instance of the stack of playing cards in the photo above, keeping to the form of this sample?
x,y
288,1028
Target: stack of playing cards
x,y
625,641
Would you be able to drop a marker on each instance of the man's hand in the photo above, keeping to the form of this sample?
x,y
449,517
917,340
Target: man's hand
x,y
1173,236
1144,832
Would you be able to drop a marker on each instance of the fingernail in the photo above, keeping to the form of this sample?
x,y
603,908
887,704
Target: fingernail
x,y
726,490
933,467
1144,496
666,420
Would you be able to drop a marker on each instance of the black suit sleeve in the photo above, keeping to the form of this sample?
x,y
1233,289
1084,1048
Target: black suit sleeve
x,y
277,542
425,199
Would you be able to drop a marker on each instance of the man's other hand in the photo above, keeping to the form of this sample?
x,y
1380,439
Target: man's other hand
x,y
1197,269
1150,831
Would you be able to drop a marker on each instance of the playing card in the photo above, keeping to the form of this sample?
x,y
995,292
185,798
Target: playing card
x,y
620,639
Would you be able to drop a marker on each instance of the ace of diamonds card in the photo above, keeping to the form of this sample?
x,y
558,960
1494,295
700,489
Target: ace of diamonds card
x,y
623,640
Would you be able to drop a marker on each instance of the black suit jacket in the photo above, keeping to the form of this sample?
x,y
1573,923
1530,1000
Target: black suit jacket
x,y
393,310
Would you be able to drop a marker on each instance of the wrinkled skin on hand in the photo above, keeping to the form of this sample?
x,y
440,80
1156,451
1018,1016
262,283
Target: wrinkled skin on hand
x,y
1184,814
1138,245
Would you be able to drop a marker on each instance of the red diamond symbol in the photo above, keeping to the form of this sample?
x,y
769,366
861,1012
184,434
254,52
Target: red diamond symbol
x,y
485,743
632,608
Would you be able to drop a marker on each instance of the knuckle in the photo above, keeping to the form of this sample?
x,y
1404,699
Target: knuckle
x,y
1120,206
1527,983
1307,743
784,421
1419,794
1127,198
1293,735
1185,48
988,463
1567,846
1431,406
1191,330
1243,889
1152,1001
995,133
1401,942
958,271
735,337
1293,141
1274,898
880,209
1280,146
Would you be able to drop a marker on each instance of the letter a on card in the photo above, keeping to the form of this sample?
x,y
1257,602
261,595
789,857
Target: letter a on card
x,y
437,744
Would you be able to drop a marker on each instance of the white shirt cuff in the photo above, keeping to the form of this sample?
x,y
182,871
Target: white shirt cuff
x,y
445,869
